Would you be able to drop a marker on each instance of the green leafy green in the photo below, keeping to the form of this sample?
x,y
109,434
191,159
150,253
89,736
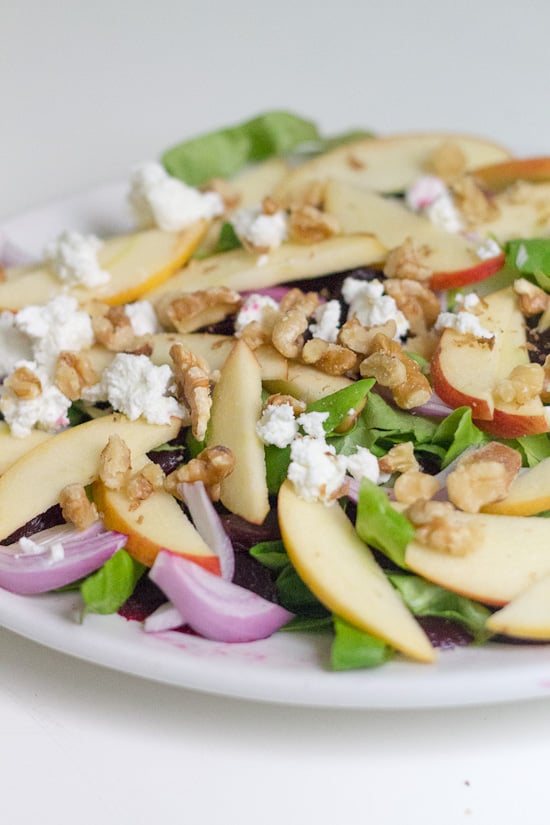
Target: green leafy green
x,y
338,404
271,554
296,596
379,415
277,460
380,526
227,239
426,599
353,648
309,624
531,257
457,432
534,448
107,589
223,152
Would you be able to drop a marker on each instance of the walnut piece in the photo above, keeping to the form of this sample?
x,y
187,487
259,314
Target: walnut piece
x,y
189,311
332,359
531,298
288,333
413,484
525,382
399,459
144,483
448,161
439,526
392,368
114,462
278,399
210,466
408,260
112,328
355,336
483,476
192,376
24,383
419,305
73,372
475,204
307,224
76,507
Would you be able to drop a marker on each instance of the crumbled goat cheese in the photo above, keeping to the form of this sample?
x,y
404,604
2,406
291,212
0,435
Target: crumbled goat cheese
x,y
48,411
443,212
57,326
73,257
253,309
258,229
364,464
312,423
327,322
488,249
468,301
133,385
463,322
158,199
370,306
57,552
521,256
143,318
424,191
29,547
315,470
277,425
14,344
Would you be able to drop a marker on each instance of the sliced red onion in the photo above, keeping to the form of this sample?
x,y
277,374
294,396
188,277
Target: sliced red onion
x,y
275,292
434,407
353,490
214,607
165,617
209,525
56,557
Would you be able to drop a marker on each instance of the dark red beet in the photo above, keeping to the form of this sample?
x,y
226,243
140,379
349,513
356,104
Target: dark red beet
x,y
253,575
245,535
50,518
144,600
444,633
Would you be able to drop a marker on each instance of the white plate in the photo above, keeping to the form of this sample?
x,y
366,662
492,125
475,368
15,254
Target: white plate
x,y
288,668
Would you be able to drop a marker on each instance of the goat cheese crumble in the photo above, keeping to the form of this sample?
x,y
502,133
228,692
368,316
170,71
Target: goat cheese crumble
x,y
464,322
277,425
327,321
14,344
370,306
315,470
73,257
47,411
158,199
263,232
254,308
143,318
424,191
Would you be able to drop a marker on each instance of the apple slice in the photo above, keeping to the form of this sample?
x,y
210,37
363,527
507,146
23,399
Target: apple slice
x,y
527,616
236,408
452,258
241,270
511,553
12,448
528,495
341,571
499,176
307,383
136,264
466,370
33,483
525,214
386,164
158,523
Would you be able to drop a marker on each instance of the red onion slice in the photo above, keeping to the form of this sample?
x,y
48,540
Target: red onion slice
x,y
434,407
275,292
209,525
58,556
214,607
165,617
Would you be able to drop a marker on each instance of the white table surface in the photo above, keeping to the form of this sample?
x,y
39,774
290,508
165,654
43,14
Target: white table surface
x,y
86,91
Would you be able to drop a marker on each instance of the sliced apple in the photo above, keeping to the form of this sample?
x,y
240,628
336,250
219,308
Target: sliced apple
x,y
529,493
499,176
12,448
527,616
386,164
33,483
136,264
307,383
525,214
157,523
466,370
512,551
452,258
236,408
241,270
341,571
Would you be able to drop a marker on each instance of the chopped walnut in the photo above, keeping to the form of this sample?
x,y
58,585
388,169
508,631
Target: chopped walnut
x,y
355,162
144,483
227,193
392,368
399,459
424,345
278,399
76,507
419,305
115,462
525,382
306,302
192,387
357,337
412,485
307,224
189,311
475,204
333,359
531,298
24,383
448,161
408,261
73,372
312,194
441,527
112,328
545,394
270,206
483,476
211,466
288,333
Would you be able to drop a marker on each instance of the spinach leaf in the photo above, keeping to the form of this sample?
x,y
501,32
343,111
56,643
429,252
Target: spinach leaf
x,y
107,589
380,526
353,648
338,404
531,257
271,554
296,596
227,239
457,432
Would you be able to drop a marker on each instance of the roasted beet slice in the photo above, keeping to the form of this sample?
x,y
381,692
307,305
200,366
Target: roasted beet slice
x,y
49,518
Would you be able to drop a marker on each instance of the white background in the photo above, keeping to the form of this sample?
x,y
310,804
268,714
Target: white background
x,y
87,90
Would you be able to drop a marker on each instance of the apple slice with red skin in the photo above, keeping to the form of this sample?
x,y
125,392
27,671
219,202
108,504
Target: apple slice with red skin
x,y
527,616
499,176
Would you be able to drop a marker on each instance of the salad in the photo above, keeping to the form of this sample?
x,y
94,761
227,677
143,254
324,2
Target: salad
x,y
309,393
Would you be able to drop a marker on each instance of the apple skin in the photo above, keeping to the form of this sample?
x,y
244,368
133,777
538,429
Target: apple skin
x,y
509,424
499,176
444,371
465,277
